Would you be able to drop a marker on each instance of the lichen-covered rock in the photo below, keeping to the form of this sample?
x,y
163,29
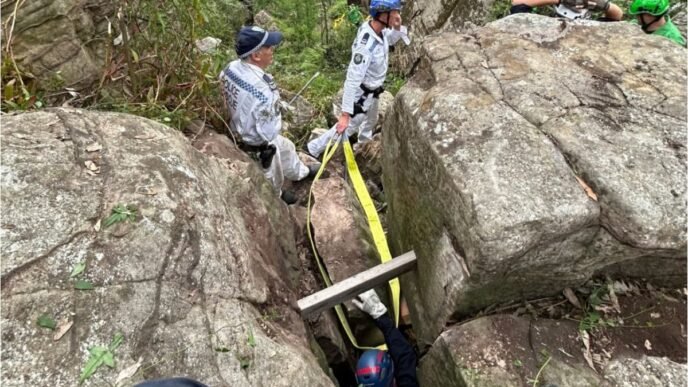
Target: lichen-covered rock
x,y
67,36
645,372
429,17
200,282
265,20
489,150
503,350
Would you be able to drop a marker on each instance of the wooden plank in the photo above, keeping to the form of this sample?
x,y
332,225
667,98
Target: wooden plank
x,y
359,283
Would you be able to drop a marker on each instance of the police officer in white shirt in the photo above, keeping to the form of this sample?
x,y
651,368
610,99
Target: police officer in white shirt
x,y
253,101
366,73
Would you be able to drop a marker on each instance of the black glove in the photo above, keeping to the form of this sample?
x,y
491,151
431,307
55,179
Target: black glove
x,y
267,155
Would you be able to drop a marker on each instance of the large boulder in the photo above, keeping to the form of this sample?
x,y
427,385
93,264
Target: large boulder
x,y
503,350
429,17
508,351
200,282
645,372
530,154
67,37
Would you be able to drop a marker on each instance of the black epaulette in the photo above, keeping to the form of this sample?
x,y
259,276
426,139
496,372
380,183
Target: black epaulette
x,y
364,39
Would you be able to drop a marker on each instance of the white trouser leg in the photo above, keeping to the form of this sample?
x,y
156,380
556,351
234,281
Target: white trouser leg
x,y
274,173
292,167
285,164
368,126
318,145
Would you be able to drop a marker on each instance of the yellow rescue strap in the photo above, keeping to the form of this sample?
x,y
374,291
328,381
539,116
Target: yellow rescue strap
x,y
373,222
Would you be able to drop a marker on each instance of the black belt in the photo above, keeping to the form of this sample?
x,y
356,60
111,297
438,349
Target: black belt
x,y
375,92
358,106
264,151
253,148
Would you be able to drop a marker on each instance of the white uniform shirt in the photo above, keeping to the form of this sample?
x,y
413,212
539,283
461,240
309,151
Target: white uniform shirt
x,y
369,61
253,101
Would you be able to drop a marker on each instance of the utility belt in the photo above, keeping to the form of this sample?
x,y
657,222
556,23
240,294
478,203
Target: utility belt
x,y
262,153
367,92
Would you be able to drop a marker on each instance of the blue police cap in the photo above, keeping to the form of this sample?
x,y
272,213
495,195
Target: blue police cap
x,y
251,38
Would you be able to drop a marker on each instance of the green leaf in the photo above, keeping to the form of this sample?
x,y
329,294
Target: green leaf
x,y
98,350
251,338
244,362
518,363
78,269
100,355
135,55
110,220
119,214
94,361
116,341
109,360
161,20
83,285
46,322
221,349
9,92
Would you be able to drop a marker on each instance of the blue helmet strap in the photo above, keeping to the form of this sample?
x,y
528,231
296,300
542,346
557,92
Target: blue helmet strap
x,y
385,23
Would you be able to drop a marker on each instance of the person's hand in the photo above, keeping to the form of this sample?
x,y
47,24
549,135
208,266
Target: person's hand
x,y
343,122
395,20
597,5
370,303
574,4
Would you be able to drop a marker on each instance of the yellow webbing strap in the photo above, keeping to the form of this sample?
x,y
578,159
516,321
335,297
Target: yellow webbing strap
x,y
373,221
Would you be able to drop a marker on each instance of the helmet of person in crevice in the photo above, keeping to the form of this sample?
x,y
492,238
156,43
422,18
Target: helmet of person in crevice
x,y
381,6
652,7
375,369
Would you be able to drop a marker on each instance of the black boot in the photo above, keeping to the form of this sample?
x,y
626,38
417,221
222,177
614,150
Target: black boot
x,y
313,170
289,197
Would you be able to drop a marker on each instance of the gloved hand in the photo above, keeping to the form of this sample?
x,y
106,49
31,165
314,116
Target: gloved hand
x,y
343,122
574,4
598,5
594,5
370,303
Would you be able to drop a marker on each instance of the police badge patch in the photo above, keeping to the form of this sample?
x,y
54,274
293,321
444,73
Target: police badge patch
x,y
358,58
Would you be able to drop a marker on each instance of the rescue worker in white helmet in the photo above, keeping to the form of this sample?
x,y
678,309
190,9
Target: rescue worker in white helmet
x,y
253,101
366,74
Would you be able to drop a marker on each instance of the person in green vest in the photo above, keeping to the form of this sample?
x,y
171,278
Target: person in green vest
x,y
653,19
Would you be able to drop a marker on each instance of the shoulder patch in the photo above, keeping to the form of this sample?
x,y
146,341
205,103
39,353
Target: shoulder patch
x,y
358,58
270,81
365,38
